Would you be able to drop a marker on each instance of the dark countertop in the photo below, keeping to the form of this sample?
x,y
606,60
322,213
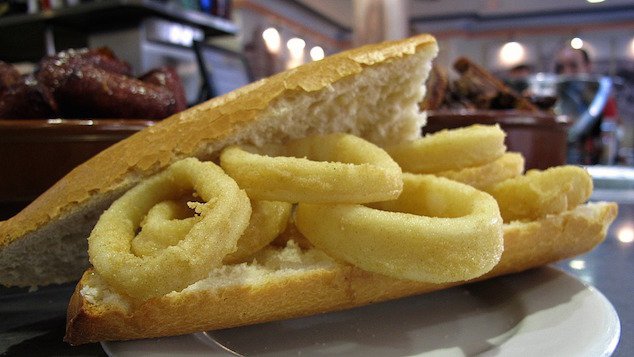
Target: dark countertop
x,y
32,323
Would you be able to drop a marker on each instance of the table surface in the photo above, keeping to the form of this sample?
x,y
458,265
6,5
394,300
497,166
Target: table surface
x,y
33,322
609,268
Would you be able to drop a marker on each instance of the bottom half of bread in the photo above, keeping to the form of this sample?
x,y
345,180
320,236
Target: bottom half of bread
x,y
291,282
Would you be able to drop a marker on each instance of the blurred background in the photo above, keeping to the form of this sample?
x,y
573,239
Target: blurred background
x,y
77,76
558,75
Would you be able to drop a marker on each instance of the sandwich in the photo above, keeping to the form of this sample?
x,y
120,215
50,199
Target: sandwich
x,y
366,97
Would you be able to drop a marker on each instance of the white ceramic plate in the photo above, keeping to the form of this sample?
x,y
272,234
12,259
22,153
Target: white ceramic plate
x,y
543,312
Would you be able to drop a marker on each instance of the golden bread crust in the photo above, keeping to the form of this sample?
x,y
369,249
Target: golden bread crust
x,y
527,245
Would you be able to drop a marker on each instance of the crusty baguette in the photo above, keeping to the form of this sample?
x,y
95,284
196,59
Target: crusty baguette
x,y
372,92
295,283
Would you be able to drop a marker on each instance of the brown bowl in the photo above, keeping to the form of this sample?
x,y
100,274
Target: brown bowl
x,y
34,154
541,138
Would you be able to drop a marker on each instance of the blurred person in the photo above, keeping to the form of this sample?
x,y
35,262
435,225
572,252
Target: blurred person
x,y
599,144
572,61
517,77
520,71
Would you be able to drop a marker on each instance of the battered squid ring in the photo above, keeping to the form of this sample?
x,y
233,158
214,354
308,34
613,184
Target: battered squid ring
x,y
507,166
437,231
450,149
324,168
166,224
539,193
219,224
268,220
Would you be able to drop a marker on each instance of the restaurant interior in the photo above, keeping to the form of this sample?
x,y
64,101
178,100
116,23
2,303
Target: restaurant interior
x,y
554,111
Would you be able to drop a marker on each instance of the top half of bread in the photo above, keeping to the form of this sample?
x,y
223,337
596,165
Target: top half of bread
x,y
372,92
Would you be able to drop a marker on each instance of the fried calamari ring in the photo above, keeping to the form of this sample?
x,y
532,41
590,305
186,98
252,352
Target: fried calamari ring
x,y
539,193
437,231
167,223
323,168
219,224
268,220
507,166
450,149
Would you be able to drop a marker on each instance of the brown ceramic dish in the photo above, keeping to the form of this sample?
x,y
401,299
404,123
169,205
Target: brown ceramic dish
x,y
541,138
34,154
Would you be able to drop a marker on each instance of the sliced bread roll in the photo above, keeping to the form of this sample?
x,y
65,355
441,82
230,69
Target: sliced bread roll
x,y
292,282
372,92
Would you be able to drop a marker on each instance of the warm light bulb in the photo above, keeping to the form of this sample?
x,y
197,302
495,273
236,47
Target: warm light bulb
x,y
296,50
296,46
272,39
317,53
625,235
576,43
511,53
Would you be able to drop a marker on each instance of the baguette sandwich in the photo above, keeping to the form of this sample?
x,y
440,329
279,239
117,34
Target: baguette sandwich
x,y
371,92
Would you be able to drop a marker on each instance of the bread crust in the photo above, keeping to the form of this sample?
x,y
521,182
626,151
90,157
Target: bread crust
x,y
193,132
527,245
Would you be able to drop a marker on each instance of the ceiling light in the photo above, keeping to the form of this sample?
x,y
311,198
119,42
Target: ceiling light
x,y
625,234
272,39
296,50
512,53
317,53
296,46
576,43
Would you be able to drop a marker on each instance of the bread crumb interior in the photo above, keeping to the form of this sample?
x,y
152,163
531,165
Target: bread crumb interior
x,y
272,263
